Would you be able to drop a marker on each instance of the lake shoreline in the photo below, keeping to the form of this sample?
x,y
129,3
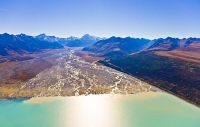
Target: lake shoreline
x,y
52,98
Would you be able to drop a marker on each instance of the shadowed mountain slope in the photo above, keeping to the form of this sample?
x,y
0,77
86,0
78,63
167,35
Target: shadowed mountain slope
x,y
115,46
21,44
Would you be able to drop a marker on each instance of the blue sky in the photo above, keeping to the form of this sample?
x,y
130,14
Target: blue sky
x,y
104,18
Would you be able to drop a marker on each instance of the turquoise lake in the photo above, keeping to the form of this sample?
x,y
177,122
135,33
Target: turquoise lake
x,y
140,110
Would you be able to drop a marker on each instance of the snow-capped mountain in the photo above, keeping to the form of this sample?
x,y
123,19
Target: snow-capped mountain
x,y
11,45
85,40
48,38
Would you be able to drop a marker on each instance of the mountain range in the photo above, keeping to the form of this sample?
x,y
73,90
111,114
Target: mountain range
x,y
20,44
85,40
116,46
187,49
11,45
170,43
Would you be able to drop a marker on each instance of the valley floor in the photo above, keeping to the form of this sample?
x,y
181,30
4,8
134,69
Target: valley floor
x,y
64,72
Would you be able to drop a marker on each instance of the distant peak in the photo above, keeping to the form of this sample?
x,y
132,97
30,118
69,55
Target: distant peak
x,y
113,37
6,34
41,35
87,37
22,34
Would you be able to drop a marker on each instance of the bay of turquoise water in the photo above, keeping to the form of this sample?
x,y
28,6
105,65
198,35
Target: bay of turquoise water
x,y
141,110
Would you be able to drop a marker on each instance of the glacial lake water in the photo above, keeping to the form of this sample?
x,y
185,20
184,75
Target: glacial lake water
x,y
139,110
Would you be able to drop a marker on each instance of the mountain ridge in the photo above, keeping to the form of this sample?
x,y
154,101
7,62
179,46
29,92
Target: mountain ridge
x,y
11,45
113,46
116,46
20,44
85,40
